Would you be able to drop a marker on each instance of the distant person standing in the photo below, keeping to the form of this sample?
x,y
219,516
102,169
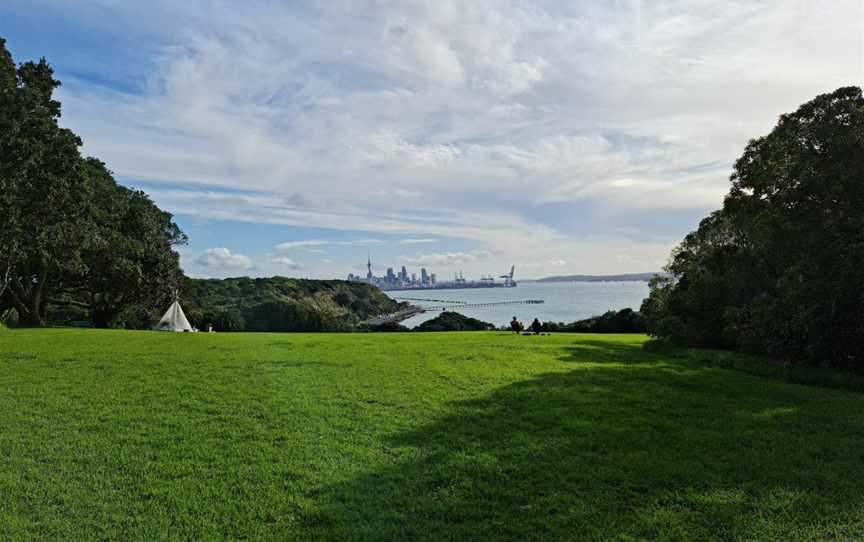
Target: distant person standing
x,y
536,327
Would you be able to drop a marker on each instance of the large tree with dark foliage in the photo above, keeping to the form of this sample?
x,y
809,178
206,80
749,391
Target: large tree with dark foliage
x,y
779,270
130,262
71,237
44,192
8,90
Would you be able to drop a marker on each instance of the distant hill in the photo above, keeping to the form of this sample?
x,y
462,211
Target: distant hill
x,y
627,277
282,304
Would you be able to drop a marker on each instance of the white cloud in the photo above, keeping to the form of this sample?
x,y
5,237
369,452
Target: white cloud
x,y
222,258
305,244
445,259
291,245
459,119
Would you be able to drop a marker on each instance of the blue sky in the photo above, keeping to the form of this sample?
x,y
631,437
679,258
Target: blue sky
x,y
293,138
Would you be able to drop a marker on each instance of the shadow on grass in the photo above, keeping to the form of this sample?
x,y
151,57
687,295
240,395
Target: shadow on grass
x,y
588,350
615,450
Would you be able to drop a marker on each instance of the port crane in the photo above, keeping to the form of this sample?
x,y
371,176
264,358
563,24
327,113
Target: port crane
x,y
508,279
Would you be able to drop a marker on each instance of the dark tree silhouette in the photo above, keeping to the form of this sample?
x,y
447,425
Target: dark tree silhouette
x,y
779,270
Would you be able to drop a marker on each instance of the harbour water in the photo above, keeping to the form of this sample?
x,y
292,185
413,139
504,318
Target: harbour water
x,y
563,301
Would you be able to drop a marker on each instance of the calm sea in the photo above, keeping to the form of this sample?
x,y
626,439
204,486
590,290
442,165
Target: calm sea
x,y
563,301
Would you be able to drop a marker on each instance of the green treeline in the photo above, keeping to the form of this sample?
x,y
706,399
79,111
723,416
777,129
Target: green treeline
x,y
75,245
779,270
282,304
78,248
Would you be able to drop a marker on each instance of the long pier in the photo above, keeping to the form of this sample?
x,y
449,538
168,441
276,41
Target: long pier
x,y
432,300
463,305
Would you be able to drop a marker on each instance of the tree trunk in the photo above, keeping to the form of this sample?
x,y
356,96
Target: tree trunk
x,y
18,297
39,301
31,320
6,272
4,280
104,318
30,302
29,314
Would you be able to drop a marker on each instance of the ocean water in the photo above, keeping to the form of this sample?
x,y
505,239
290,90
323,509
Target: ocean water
x,y
563,301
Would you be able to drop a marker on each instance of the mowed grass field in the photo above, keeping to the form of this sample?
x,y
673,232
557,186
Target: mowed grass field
x,y
455,436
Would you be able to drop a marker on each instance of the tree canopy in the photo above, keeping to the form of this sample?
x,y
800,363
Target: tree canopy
x,y
779,270
73,239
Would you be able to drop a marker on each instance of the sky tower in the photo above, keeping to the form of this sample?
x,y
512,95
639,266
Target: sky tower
x,y
369,266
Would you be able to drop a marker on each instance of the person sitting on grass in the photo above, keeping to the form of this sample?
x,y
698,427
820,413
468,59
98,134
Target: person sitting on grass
x,y
536,327
516,325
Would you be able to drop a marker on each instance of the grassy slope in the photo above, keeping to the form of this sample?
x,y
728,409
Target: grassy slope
x,y
141,435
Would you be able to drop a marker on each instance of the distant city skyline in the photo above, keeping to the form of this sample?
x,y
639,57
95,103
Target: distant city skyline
x,y
392,280
564,138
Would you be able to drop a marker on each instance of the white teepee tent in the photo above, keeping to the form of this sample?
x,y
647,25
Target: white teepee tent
x,y
174,319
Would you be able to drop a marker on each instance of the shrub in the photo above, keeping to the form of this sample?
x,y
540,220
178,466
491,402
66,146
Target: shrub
x,y
623,321
453,321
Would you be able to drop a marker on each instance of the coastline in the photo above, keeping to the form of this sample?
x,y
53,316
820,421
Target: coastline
x,y
398,316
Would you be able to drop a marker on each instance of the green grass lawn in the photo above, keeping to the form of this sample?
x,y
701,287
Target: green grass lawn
x,y
470,436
